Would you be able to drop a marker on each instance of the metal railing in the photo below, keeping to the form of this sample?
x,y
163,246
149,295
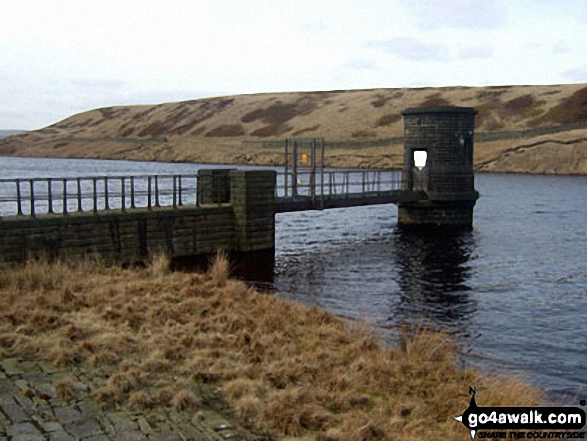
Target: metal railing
x,y
37,196
339,184
42,196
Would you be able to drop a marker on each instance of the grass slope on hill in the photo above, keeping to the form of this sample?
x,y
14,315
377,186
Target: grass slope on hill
x,y
534,129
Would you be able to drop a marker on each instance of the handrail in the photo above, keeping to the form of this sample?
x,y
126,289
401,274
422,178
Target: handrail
x,y
39,196
36,196
336,183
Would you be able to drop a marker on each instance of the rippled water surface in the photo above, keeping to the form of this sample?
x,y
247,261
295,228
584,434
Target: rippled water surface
x,y
513,291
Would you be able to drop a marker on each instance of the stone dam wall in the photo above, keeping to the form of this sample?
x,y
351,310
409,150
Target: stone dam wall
x,y
244,222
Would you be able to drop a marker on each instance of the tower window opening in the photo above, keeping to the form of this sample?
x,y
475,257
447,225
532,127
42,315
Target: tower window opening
x,y
420,158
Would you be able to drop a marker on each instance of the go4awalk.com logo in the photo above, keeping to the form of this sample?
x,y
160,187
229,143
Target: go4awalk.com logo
x,y
536,422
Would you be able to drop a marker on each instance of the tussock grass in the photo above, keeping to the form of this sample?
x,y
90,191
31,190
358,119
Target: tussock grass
x,y
285,370
66,390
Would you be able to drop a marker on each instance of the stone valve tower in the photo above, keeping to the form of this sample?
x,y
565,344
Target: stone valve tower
x,y
438,160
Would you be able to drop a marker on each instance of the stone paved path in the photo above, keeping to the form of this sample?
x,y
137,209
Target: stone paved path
x,y
30,411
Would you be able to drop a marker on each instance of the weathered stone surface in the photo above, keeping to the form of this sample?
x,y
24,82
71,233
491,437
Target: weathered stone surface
x,y
446,135
11,409
29,412
60,435
24,432
236,213
68,415
84,428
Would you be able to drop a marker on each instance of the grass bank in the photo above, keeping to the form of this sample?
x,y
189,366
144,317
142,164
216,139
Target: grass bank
x,y
281,369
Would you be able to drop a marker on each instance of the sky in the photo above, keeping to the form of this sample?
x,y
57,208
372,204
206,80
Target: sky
x,y
62,57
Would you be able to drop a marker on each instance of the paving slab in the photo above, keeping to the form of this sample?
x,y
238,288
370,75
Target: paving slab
x,y
30,410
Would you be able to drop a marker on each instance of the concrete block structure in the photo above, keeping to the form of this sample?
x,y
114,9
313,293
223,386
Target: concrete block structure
x,y
236,213
444,137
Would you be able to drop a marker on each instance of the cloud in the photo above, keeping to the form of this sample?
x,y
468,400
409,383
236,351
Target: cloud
x,y
560,48
100,84
468,14
475,52
361,65
315,27
578,74
31,105
407,48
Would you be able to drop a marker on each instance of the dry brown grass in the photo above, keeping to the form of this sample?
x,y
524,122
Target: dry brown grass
x,y
284,369
66,390
212,130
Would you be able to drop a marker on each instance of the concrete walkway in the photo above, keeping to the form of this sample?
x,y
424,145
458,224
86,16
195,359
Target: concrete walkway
x,y
30,411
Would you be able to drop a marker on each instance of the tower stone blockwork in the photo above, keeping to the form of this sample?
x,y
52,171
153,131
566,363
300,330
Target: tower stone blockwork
x,y
444,137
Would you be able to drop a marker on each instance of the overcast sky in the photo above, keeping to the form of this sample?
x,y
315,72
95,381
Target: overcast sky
x,y
60,57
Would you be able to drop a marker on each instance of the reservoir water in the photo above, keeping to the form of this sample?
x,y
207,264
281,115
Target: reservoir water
x,y
512,292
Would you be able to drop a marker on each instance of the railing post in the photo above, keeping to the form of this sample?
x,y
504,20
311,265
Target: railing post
x,y
179,191
50,195
32,192
149,193
294,181
106,197
157,191
322,169
122,194
64,196
132,192
198,190
95,180
348,176
313,170
363,184
286,167
174,191
330,183
79,195
18,199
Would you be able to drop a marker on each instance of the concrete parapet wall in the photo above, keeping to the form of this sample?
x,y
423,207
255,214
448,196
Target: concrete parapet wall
x,y
117,236
245,222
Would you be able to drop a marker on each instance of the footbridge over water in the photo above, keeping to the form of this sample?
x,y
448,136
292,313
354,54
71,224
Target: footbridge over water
x,y
128,218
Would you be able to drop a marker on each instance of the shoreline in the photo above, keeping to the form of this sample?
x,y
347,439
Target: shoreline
x,y
285,370
269,164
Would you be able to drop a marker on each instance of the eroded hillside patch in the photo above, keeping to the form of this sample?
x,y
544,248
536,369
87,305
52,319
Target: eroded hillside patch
x,y
387,120
572,109
227,130
435,100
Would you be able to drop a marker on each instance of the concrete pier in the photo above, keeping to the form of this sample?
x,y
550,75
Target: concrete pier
x,y
444,135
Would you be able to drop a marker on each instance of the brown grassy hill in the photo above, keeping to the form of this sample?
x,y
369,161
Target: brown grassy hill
x,y
526,129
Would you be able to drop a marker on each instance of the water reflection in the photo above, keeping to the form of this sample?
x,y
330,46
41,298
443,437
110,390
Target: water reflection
x,y
433,275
